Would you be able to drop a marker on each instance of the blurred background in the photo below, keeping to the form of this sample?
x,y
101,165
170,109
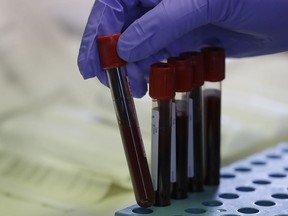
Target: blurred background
x,y
60,148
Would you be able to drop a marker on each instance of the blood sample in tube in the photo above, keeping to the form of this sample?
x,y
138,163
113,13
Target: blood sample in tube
x,y
183,86
214,66
162,91
127,120
195,183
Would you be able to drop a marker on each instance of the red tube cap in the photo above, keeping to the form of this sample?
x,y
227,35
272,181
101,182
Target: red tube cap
x,y
183,74
197,67
214,63
162,81
107,51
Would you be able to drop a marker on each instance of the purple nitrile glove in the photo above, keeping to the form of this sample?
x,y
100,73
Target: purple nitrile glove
x,y
242,27
110,17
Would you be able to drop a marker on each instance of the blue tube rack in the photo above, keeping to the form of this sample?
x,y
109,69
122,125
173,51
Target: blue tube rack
x,y
256,185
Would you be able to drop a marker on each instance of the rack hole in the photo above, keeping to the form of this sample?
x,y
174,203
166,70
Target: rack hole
x,y
274,156
248,210
277,175
285,150
227,176
230,215
258,162
245,189
142,211
261,182
286,168
265,203
212,203
195,210
229,196
242,169
280,196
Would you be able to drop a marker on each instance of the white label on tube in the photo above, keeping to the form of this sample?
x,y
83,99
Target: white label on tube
x,y
173,144
154,149
190,140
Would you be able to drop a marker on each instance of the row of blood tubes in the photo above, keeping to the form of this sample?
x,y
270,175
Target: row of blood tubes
x,y
186,93
183,126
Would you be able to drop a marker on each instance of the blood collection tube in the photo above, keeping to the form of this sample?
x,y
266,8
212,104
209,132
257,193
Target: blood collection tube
x,y
127,120
214,66
162,91
195,183
183,85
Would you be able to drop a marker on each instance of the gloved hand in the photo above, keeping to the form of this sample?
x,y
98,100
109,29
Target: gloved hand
x,y
242,27
110,17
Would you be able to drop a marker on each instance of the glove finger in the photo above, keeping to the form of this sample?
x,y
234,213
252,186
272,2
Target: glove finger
x,y
236,44
138,73
160,26
105,18
137,82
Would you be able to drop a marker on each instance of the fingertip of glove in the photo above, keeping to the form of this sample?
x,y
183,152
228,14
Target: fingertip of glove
x,y
88,71
85,71
124,49
128,47
138,91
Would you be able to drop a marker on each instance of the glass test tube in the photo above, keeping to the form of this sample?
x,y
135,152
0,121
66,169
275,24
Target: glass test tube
x,y
195,183
214,66
162,91
127,120
183,86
